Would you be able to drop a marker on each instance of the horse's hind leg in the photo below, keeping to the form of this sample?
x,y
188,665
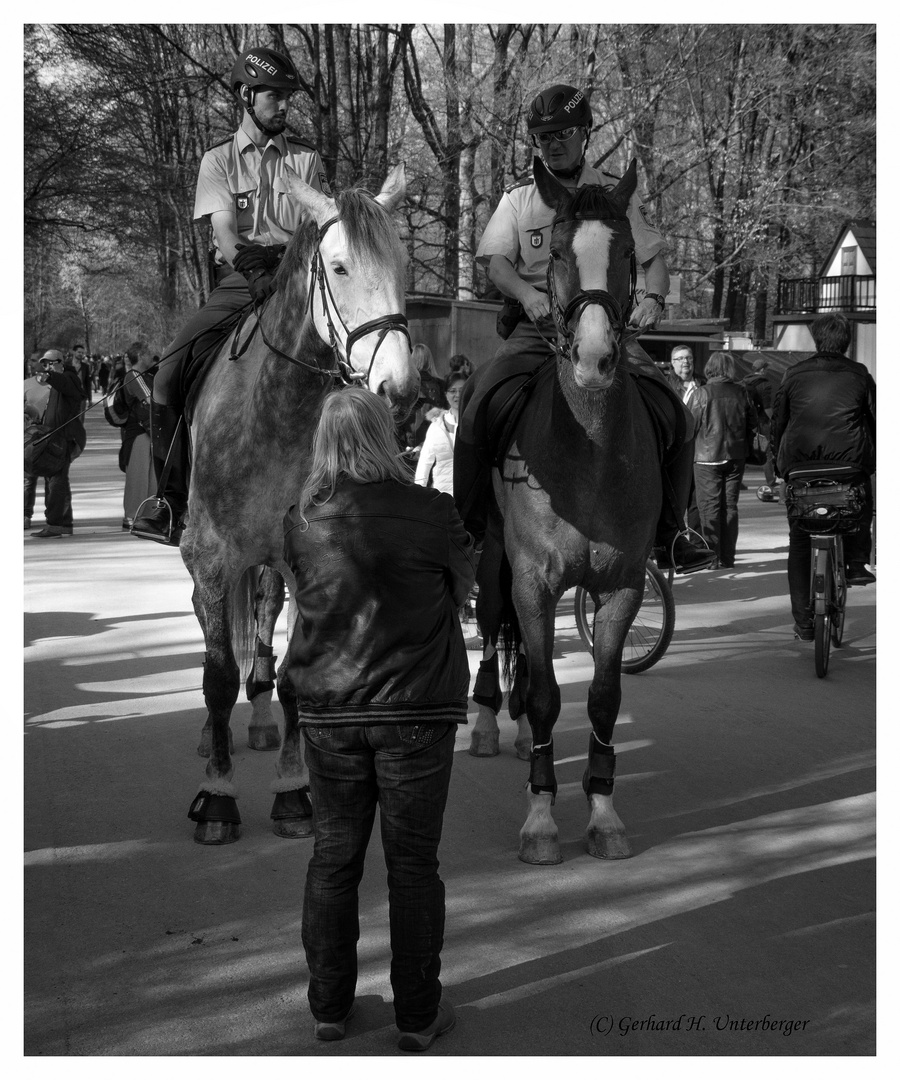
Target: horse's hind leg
x,y
605,835
487,695
262,733
291,810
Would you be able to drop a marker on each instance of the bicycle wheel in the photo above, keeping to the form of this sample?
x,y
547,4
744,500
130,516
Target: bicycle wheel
x,y
823,571
652,629
840,606
823,643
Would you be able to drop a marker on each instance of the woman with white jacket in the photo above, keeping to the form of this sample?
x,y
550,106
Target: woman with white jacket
x,y
436,457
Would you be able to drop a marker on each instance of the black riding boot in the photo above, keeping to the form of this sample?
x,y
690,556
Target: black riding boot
x,y
671,548
162,519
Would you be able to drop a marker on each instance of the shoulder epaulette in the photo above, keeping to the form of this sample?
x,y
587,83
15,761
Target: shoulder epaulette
x,y
227,139
521,183
301,142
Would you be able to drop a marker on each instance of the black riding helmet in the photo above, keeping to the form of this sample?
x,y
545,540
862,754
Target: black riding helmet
x,y
559,106
264,67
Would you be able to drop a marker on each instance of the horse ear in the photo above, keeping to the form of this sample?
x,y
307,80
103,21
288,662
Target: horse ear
x,y
319,206
625,187
393,189
550,189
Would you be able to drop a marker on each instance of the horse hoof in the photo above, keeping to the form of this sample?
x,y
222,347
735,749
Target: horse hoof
x,y
293,828
263,737
539,850
485,744
216,832
607,845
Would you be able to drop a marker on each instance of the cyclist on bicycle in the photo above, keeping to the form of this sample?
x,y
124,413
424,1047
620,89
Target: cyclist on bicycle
x,y
825,412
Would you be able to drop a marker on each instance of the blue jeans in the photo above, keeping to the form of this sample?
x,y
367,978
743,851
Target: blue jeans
x,y
404,770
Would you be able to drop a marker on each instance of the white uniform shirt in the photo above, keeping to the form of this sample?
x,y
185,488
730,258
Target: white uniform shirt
x,y
236,175
520,227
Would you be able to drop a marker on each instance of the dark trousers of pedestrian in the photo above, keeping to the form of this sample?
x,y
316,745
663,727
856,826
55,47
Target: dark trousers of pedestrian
x,y
857,551
718,488
404,771
57,496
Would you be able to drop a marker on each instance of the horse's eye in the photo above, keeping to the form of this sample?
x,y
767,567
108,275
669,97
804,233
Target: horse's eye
x,y
554,253
339,269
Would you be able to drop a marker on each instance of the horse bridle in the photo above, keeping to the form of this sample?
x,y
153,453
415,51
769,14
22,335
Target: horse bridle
x,y
342,371
618,315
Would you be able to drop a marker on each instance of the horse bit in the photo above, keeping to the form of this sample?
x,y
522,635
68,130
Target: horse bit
x,y
342,371
563,316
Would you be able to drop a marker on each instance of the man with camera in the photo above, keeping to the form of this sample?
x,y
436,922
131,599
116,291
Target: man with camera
x,y
54,397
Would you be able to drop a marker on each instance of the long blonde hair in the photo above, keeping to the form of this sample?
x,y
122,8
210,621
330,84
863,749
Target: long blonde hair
x,y
355,439
424,361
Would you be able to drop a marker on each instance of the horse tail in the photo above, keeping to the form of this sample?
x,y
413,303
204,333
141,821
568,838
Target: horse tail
x,y
510,636
243,620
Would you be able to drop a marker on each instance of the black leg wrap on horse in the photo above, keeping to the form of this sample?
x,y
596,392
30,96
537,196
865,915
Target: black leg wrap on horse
x,y
516,702
487,684
542,777
600,774
209,807
262,674
291,805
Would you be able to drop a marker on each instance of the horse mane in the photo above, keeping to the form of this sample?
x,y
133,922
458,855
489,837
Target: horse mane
x,y
591,202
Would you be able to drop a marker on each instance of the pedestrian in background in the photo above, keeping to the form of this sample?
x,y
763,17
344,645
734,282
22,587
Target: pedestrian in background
x,y
129,410
378,666
725,423
435,465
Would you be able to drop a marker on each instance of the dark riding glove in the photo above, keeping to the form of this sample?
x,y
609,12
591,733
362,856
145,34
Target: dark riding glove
x,y
262,285
252,257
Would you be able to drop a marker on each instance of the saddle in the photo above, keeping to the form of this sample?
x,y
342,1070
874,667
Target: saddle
x,y
199,358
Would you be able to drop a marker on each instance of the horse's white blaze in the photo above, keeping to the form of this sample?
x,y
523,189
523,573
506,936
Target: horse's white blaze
x,y
594,340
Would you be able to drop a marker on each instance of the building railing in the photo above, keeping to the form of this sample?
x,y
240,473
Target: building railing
x,y
845,292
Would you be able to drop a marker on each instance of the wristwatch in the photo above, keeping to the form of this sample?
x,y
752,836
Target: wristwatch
x,y
661,300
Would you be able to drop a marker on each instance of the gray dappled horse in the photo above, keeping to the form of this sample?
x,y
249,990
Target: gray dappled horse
x,y
337,315
576,502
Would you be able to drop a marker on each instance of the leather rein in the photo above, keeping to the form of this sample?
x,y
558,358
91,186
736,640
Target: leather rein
x,y
618,314
342,372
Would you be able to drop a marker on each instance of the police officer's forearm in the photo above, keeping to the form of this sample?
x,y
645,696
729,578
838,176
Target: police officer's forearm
x,y
656,275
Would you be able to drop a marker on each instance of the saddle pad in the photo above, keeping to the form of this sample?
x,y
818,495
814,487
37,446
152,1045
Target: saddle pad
x,y
199,359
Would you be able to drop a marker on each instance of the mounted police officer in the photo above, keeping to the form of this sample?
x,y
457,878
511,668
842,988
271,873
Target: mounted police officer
x,y
244,192
515,251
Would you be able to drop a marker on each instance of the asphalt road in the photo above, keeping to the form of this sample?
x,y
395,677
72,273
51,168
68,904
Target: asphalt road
x,y
742,925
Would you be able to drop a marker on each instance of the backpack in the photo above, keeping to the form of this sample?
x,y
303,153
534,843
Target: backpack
x,y
46,451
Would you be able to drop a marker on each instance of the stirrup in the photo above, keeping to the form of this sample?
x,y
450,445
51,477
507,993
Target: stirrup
x,y
170,535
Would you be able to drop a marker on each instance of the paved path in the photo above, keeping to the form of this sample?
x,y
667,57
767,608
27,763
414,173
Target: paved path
x,y
747,786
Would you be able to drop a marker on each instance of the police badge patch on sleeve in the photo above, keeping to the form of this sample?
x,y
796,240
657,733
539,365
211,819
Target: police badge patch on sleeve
x,y
243,201
537,238
650,224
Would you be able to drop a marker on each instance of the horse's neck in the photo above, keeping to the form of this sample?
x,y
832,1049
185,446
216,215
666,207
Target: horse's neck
x,y
285,389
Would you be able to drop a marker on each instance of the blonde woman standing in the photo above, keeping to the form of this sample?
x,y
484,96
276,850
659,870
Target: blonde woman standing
x,y
436,459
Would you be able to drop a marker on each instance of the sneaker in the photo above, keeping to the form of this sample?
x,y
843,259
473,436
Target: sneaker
x,y
421,1040
688,558
804,633
51,532
333,1030
859,575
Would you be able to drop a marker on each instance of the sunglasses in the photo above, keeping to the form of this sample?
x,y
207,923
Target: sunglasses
x,y
547,137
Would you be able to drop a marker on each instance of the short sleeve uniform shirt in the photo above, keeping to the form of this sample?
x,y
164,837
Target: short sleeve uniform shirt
x,y
519,229
237,175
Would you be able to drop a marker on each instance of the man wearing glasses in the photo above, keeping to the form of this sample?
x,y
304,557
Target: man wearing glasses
x,y
515,250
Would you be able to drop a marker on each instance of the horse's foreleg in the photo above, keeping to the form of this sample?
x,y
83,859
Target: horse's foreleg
x,y
539,837
262,732
291,810
215,809
605,835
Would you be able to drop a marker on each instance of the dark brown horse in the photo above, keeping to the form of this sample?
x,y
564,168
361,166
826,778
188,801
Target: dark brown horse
x,y
576,502
337,315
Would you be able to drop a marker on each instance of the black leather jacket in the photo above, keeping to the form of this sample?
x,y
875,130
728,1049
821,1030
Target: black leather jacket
x,y
725,421
825,411
381,571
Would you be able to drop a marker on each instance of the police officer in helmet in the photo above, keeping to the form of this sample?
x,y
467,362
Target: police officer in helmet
x,y
243,190
514,249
